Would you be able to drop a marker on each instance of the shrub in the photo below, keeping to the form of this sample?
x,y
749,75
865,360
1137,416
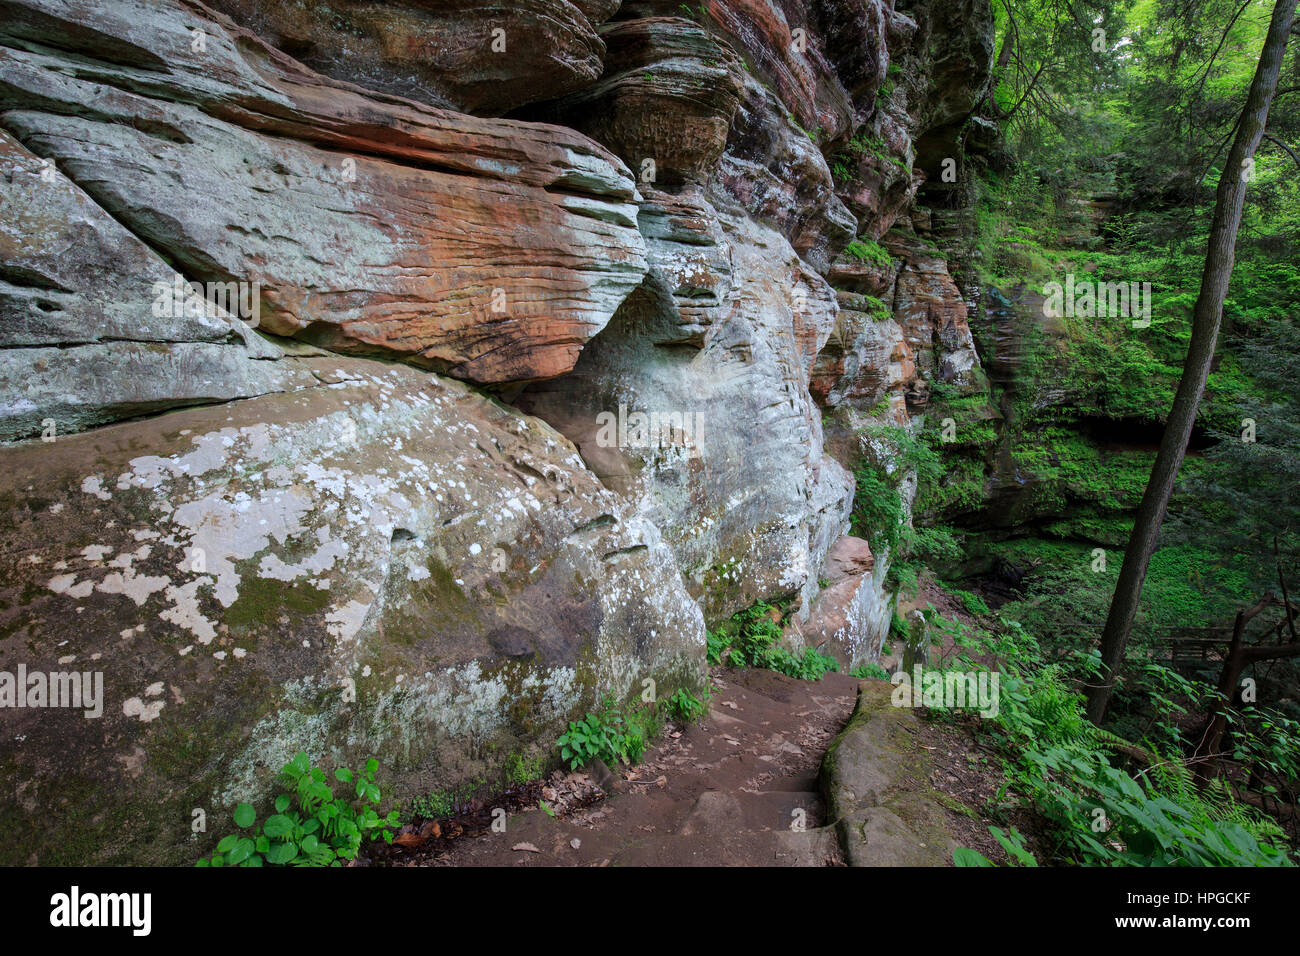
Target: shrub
x,y
869,251
973,603
871,671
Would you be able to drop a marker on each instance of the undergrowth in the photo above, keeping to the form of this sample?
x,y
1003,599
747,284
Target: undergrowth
x,y
751,638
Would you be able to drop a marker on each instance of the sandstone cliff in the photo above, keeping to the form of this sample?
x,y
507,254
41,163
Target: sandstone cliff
x,y
372,507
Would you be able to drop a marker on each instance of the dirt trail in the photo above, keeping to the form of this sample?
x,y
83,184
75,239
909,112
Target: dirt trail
x,y
744,787
738,788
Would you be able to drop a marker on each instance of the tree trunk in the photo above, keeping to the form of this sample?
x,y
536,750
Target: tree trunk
x,y
1216,722
1206,318
1240,656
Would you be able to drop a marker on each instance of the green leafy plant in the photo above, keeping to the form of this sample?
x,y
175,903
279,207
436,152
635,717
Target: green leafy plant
x,y
872,671
1059,765
751,638
1013,843
311,826
521,769
965,856
685,706
877,509
609,735
973,603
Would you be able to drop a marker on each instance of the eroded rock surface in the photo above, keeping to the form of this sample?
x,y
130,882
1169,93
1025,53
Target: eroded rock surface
x,y
386,566
486,249
665,102
456,53
876,781
851,614
747,500
81,342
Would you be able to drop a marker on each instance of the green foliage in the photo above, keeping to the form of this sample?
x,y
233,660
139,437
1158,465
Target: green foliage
x,y
717,643
435,806
868,250
1013,843
877,509
871,671
1067,600
1062,769
844,164
936,548
751,638
973,603
1268,743
1140,125
878,311
610,734
1246,490
964,856
685,707
878,513
1058,764
311,826
521,770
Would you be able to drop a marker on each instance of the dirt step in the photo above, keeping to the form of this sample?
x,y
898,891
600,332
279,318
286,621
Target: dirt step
x,y
539,840
806,783
722,814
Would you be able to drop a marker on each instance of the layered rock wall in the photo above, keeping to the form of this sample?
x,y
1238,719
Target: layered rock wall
x,y
347,413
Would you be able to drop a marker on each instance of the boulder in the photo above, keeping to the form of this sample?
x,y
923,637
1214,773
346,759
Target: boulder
x,y
384,565
876,779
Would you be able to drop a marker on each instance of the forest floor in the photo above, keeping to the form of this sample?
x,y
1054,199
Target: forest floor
x,y
738,788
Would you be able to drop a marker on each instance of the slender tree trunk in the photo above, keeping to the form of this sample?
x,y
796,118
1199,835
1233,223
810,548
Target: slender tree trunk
x,y
1216,721
1206,318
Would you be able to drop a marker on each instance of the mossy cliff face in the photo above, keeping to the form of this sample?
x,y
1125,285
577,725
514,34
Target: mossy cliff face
x,y
388,565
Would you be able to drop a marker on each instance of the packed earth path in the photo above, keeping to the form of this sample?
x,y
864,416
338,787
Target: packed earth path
x,y
744,786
